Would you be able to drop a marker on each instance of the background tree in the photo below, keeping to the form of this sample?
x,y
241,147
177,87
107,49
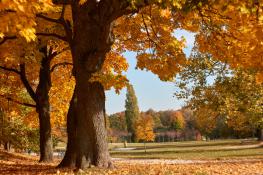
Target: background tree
x,y
221,96
132,111
40,57
17,134
118,121
118,127
41,73
177,121
156,118
144,129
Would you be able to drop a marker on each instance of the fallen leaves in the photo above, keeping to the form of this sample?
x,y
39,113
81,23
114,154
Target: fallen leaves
x,y
18,164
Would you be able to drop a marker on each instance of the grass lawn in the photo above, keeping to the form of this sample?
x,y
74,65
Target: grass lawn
x,y
220,149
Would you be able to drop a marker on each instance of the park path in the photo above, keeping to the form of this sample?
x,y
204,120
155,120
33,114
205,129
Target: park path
x,y
181,161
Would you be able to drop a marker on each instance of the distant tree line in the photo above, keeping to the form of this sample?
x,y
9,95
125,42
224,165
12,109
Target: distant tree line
x,y
169,125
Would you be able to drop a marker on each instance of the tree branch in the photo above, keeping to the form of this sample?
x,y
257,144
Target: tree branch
x,y
26,83
60,64
59,2
62,22
10,69
22,74
53,35
48,18
18,102
7,38
52,55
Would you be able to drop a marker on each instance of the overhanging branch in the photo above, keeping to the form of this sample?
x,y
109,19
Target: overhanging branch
x,y
18,102
10,69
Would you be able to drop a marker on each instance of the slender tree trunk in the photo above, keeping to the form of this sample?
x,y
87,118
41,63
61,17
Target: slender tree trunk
x,y
261,135
69,159
43,109
1,126
46,145
144,147
133,137
7,146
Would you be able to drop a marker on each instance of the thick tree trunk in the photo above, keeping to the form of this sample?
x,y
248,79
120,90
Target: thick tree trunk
x,y
69,159
92,40
92,146
43,109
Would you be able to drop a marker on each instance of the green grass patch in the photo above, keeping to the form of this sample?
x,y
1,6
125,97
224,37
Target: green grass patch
x,y
221,149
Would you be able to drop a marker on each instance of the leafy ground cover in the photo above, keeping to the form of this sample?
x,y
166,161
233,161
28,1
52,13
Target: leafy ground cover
x,y
18,164
246,161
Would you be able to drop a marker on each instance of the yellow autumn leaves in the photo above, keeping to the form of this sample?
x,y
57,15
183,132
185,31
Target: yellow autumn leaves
x,y
144,128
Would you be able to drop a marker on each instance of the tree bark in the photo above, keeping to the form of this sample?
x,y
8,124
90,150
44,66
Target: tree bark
x,y
46,144
92,40
69,159
92,146
43,109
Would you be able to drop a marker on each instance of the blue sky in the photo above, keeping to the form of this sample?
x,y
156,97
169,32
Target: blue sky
x,y
150,91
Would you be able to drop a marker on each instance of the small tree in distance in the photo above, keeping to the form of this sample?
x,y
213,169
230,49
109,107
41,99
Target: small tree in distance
x,y
177,121
144,129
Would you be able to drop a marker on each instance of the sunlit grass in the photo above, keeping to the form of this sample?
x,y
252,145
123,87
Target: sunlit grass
x,y
222,149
